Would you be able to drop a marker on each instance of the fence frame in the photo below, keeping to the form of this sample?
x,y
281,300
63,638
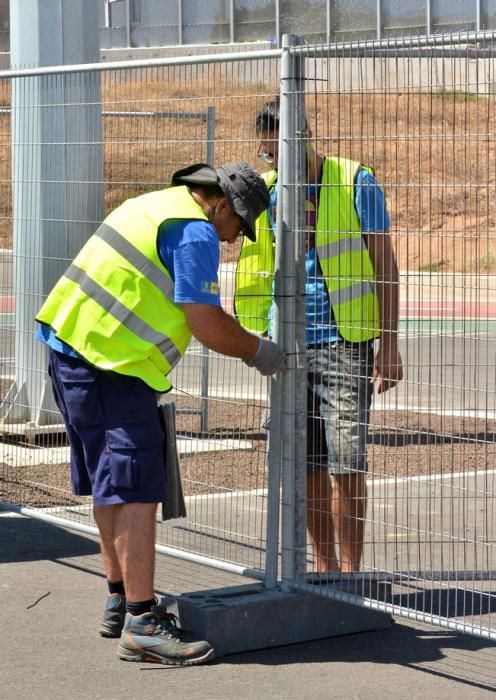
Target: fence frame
x,y
292,577
292,215
11,420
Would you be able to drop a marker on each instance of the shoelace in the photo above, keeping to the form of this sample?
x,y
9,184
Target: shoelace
x,y
168,624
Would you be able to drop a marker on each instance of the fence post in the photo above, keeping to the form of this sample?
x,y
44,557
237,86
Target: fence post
x,y
128,24
328,21
290,288
274,459
232,32
179,22
205,351
428,18
379,19
278,22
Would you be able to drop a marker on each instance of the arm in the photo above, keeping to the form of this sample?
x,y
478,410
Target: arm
x,y
192,259
388,367
219,331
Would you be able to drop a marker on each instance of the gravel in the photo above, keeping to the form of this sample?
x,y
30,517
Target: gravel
x,y
401,444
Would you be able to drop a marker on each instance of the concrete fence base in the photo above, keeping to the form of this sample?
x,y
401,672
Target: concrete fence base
x,y
250,617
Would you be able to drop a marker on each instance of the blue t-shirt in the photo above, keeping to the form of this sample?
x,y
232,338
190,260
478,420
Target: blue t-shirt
x,y
190,251
371,209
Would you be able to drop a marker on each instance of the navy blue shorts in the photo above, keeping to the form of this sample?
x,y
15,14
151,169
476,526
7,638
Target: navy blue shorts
x,y
114,430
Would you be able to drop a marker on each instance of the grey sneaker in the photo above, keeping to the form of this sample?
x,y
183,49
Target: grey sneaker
x,y
155,637
113,616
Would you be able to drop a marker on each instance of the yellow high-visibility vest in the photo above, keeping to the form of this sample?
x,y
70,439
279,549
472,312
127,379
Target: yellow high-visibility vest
x,y
345,262
115,303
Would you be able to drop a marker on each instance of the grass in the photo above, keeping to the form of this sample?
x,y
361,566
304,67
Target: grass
x,y
437,266
484,263
461,95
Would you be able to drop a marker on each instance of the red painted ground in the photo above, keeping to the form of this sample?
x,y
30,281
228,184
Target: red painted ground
x,y
414,309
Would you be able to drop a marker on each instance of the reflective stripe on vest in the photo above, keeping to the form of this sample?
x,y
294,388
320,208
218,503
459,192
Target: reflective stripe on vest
x,y
128,319
344,295
344,245
115,303
122,246
345,262
358,289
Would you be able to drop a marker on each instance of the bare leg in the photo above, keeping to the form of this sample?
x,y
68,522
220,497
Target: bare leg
x,y
104,517
127,540
320,521
348,508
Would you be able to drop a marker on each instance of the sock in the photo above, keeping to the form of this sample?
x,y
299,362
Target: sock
x,y
116,587
142,606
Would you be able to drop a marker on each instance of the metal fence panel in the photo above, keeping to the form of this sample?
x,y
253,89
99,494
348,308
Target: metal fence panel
x,y
488,14
422,114
396,20
206,22
155,120
424,120
158,23
147,30
350,17
452,16
309,16
113,24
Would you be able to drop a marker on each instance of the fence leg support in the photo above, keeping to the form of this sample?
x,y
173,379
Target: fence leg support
x,y
249,617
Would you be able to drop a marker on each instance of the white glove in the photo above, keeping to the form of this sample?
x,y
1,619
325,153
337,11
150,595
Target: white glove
x,y
268,359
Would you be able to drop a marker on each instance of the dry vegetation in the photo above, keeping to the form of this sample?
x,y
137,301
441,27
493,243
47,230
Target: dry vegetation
x,y
434,153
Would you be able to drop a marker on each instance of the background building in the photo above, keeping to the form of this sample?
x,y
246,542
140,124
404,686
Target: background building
x,y
153,23
169,22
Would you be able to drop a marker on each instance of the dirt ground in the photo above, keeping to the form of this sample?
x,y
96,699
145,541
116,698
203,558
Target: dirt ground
x,y
401,444
433,153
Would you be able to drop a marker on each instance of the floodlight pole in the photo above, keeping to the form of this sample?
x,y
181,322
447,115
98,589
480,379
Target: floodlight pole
x,y
57,179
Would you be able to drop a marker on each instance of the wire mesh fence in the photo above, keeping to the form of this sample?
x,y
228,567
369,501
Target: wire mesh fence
x,y
423,117
154,120
425,123
169,22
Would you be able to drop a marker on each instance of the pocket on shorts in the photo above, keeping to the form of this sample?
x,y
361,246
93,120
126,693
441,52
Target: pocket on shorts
x,y
81,395
134,456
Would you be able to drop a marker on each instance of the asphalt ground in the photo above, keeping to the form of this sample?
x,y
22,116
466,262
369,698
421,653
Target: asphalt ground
x,y
447,333
52,591
408,521
52,588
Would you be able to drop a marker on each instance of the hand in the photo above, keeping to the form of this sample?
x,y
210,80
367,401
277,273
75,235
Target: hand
x,y
388,366
268,359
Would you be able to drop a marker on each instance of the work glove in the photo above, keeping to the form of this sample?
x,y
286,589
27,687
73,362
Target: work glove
x,y
268,359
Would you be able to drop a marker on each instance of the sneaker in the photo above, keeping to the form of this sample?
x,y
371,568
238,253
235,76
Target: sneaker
x,y
155,637
113,616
